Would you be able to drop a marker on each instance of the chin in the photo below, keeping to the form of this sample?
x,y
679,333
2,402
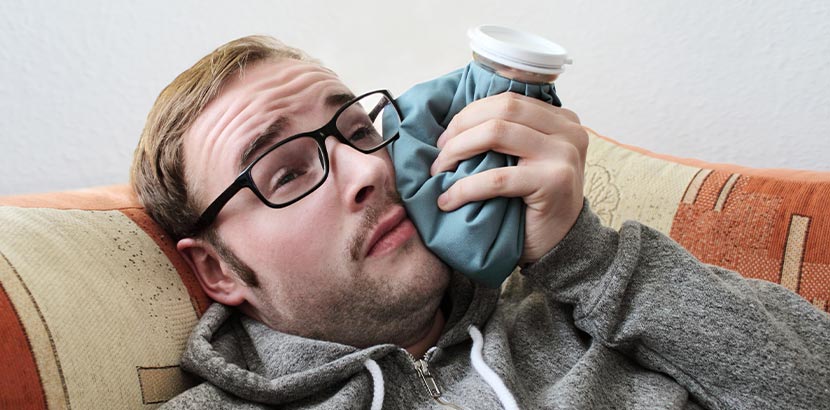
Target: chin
x,y
431,273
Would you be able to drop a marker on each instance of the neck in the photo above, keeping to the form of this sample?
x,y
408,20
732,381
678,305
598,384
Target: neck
x,y
430,337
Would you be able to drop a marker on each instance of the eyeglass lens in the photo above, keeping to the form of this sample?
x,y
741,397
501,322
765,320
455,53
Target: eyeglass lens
x,y
296,167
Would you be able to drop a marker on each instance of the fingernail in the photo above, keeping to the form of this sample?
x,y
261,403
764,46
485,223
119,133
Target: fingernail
x,y
440,142
443,200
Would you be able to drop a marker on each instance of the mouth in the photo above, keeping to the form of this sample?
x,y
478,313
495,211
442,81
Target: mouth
x,y
392,232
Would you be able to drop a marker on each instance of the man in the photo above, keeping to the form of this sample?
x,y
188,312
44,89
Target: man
x,y
329,299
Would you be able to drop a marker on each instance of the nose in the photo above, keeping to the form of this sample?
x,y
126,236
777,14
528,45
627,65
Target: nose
x,y
359,177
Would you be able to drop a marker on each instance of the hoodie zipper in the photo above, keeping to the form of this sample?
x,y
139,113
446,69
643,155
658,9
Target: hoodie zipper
x,y
430,382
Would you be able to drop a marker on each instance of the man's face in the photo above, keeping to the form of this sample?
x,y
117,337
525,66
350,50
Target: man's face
x,y
344,263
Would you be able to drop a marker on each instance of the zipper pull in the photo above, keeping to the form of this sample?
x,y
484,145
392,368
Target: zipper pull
x,y
423,371
422,368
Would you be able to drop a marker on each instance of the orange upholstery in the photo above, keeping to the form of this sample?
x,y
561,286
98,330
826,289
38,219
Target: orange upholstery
x,y
771,224
114,197
96,304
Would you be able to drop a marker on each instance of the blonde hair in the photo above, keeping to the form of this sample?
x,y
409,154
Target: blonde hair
x,y
158,169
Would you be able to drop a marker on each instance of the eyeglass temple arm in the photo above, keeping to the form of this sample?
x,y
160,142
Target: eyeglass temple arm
x,y
209,215
379,107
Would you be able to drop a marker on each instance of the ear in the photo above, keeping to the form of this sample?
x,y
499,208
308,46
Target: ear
x,y
217,279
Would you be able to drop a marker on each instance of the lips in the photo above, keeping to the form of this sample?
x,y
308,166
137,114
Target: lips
x,y
393,230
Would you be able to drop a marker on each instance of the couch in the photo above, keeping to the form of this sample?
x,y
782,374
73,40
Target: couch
x,y
96,305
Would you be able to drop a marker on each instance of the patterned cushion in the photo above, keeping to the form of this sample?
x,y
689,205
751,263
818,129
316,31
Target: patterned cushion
x,y
95,303
769,224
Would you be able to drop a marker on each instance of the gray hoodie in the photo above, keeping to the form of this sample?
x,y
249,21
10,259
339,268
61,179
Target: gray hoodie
x,y
605,320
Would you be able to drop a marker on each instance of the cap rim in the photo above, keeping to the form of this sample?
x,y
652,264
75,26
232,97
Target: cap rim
x,y
518,49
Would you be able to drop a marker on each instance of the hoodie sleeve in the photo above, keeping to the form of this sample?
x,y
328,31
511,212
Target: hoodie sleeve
x,y
732,342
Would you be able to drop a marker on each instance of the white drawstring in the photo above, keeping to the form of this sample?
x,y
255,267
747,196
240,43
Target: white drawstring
x,y
377,381
486,373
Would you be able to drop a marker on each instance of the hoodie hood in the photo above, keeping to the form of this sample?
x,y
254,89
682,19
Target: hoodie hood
x,y
256,363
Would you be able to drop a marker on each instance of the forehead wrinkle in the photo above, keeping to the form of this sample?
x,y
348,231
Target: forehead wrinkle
x,y
278,129
240,108
204,136
208,142
243,116
293,79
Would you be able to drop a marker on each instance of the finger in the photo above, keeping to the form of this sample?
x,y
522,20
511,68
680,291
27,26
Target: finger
x,y
508,138
494,135
506,106
531,112
533,184
546,105
497,182
569,115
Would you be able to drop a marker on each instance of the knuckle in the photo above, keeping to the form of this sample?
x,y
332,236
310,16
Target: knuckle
x,y
581,139
577,137
456,191
572,154
563,176
499,181
510,105
507,96
571,115
496,128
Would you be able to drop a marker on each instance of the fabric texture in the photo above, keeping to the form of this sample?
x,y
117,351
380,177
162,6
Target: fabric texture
x,y
605,320
54,241
94,308
770,224
482,240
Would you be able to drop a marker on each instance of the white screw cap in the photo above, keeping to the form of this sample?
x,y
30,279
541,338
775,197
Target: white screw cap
x,y
518,49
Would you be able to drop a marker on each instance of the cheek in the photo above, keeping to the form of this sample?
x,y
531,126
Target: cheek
x,y
298,240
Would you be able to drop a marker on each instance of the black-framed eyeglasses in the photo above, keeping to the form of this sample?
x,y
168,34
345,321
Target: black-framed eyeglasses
x,y
295,166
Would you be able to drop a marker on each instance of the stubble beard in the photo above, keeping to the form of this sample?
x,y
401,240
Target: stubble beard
x,y
371,310
383,307
366,308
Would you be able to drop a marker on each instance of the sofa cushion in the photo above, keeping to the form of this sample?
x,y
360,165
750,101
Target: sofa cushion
x,y
770,224
95,303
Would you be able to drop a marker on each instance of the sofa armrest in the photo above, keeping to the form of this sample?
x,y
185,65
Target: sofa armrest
x,y
770,224
95,304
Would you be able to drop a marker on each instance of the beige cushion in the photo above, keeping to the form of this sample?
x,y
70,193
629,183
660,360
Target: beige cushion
x,y
95,305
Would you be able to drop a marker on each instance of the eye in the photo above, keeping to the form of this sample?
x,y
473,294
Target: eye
x,y
361,133
365,136
285,176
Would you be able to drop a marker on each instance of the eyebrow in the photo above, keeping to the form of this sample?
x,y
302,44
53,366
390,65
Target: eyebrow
x,y
277,127
265,139
337,100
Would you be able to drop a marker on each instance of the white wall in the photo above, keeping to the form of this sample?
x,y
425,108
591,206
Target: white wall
x,y
739,81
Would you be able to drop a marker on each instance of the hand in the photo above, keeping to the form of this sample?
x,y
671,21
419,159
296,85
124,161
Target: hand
x,y
550,144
